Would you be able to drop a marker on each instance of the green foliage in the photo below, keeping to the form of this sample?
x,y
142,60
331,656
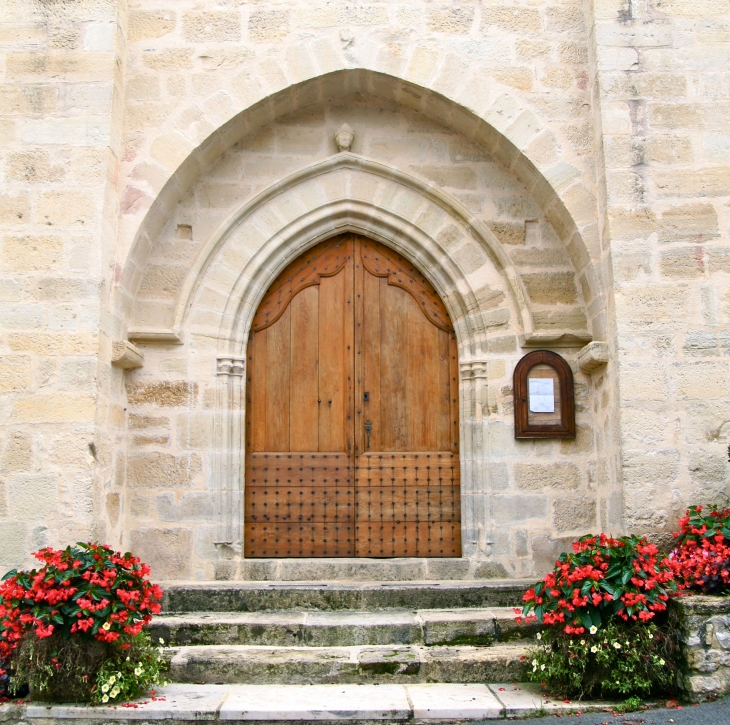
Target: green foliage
x,y
58,669
629,705
619,660
130,673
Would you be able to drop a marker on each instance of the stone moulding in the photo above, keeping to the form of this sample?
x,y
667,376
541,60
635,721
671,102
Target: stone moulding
x,y
593,356
155,336
345,160
550,339
126,356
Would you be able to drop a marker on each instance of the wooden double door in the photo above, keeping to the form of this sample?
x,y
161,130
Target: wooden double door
x,y
352,410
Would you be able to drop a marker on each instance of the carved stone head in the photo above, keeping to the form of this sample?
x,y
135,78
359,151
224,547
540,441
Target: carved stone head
x,y
344,137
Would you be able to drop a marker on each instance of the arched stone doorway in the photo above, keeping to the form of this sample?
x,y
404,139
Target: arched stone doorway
x,y
352,410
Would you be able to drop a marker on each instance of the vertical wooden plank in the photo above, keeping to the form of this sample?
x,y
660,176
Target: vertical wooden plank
x,y
278,374
443,433
349,347
258,392
422,385
304,381
371,366
332,363
360,355
454,394
393,367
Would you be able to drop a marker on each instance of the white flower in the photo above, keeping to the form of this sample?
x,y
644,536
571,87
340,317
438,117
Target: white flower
x,y
137,671
542,667
594,649
105,698
582,641
617,645
650,635
105,688
162,641
115,692
112,679
593,629
535,663
661,663
107,626
539,636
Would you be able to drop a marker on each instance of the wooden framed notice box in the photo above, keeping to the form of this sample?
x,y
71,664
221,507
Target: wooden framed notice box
x,y
544,397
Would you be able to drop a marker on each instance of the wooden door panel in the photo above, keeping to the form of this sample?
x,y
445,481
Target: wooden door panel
x,y
400,504
271,540
351,333
309,504
437,539
409,469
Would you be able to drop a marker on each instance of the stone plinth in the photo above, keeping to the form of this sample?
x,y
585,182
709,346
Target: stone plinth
x,y
707,639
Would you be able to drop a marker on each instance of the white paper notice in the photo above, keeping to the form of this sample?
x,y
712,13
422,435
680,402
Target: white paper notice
x,y
542,397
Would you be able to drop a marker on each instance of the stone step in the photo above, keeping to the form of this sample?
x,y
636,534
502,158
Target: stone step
x,y
291,628
183,704
251,664
262,596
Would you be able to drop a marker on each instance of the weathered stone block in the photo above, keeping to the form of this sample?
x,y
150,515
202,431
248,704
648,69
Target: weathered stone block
x,y
516,509
650,468
15,373
513,19
32,253
539,476
33,496
14,550
145,24
268,26
55,408
162,470
167,551
549,288
451,20
164,393
574,514
700,380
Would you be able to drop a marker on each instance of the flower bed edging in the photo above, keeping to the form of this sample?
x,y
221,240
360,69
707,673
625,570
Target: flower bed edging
x,y
706,637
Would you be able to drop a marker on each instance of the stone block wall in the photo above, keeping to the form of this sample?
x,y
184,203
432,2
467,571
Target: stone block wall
x,y
580,150
60,127
662,70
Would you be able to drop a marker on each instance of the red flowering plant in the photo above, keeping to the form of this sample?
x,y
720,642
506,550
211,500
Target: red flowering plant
x,y
701,559
86,604
602,578
599,602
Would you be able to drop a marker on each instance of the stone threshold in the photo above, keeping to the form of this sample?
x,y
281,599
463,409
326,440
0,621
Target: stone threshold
x,y
315,703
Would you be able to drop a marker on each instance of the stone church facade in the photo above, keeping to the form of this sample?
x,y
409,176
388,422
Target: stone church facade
x,y
558,170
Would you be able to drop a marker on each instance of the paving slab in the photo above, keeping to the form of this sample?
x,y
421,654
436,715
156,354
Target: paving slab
x,y
453,702
527,698
316,702
184,702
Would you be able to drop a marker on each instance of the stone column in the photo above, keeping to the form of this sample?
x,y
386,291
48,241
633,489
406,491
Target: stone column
x,y
474,479
229,452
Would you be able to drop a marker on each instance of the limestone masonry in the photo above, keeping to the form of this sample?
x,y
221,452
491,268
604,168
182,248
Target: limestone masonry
x,y
558,169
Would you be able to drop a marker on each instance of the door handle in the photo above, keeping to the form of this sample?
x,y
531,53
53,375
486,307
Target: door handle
x,y
368,428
